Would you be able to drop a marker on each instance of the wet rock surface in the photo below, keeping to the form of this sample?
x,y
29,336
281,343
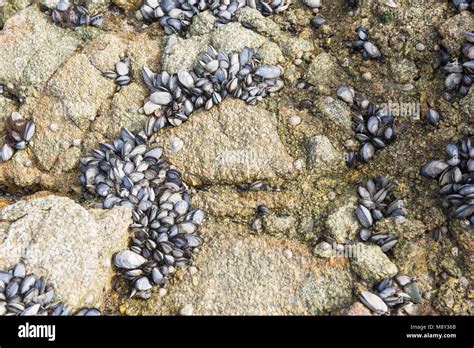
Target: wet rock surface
x,y
268,282
67,244
210,154
294,142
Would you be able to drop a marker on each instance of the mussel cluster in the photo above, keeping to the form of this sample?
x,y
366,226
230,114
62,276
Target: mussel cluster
x,y
18,134
26,295
459,72
377,201
130,173
121,75
455,175
69,15
369,50
372,125
175,16
391,294
216,76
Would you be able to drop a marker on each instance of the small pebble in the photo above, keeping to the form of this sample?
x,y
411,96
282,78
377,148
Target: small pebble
x,y
10,86
298,62
162,292
28,163
287,253
420,47
391,3
298,164
175,145
187,310
367,76
15,116
399,220
54,127
193,270
76,142
295,120
331,195
301,85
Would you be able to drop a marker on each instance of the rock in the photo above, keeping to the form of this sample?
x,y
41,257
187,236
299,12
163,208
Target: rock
x,y
202,23
417,258
356,309
371,264
67,113
404,71
280,225
269,283
241,203
36,46
452,31
67,244
335,111
263,25
342,224
467,102
451,299
234,149
181,54
79,104
123,111
293,47
322,156
324,73
234,37
410,229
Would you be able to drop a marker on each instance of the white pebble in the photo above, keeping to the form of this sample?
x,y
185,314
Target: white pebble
x,y
331,195
298,164
313,3
175,145
76,142
15,116
420,47
287,253
27,163
367,76
298,62
162,292
53,127
295,120
391,3
187,310
89,299
193,270
10,86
